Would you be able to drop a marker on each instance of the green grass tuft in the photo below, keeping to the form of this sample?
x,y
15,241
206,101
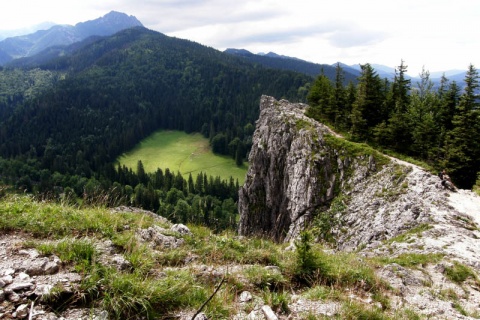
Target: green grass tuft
x,y
412,259
459,273
407,236
44,219
265,278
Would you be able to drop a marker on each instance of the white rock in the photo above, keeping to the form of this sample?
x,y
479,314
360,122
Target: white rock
x,y
8,272
7,279
22,311
43,290
268,312
181,228
103,315
18,286
245,296
23,276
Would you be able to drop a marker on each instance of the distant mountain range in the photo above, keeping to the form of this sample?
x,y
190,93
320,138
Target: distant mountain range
x,y
388,72
276,61
31,44
352,72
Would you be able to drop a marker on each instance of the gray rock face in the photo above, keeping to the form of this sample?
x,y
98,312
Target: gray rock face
x,y
280,191
293,172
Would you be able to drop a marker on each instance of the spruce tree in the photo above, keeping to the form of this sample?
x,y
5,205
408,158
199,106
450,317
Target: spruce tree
x,y
340,99
366,110
462,147
399,126
423,116
320,99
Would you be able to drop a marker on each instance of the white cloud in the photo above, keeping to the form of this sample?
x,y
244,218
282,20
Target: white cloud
x,y
436,34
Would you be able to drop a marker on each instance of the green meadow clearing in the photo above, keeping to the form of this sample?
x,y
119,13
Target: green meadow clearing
x,y
184,153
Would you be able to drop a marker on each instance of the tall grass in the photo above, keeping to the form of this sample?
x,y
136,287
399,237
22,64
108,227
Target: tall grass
x,y
43,219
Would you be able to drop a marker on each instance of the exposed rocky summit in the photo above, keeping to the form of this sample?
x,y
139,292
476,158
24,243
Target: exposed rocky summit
x,y
295,171
300,170
289,165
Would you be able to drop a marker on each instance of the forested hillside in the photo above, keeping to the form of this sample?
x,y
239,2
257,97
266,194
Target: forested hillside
x,y
117,90
120,89
439,126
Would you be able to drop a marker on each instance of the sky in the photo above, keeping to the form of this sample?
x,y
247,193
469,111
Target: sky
x,y
435,35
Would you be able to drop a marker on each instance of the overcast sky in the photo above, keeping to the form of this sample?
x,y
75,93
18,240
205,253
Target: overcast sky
x,y
439,35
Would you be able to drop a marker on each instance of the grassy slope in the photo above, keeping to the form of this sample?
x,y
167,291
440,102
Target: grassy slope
x,y
141,291
182,152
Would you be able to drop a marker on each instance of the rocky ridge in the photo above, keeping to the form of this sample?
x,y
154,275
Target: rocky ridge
x,y
289,164
374,205
295,171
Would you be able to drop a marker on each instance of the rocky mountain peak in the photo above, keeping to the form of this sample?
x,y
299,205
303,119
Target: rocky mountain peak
x,y
63,35
109,24
288,166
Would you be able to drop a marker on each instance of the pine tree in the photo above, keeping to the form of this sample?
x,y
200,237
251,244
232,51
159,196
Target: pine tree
x,y
142,175
463,145
366,110
399,127
340,99
191,185
320,99
422,114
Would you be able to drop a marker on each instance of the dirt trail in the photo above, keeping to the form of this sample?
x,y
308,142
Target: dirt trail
x,y
405,163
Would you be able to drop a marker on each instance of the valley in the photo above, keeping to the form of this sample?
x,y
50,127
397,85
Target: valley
x,y
182,152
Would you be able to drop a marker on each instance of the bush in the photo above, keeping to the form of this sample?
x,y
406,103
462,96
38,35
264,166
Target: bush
x,y
308,264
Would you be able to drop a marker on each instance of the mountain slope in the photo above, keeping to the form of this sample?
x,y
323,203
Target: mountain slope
x,y
31,44
27,30
273,60
121,88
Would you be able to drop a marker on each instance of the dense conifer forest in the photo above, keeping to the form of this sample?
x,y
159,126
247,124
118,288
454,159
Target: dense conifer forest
x,y
437,125
100,98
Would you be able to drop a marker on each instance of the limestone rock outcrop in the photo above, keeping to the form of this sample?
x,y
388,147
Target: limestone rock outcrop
x,y
294,172
302,172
